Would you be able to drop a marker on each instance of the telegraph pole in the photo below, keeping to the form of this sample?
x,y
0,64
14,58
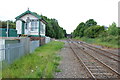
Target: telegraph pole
x,y
7,29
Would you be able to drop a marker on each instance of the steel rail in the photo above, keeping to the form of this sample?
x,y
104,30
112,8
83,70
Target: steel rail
x,y
101,53
102,63
90,69
85,67
102,50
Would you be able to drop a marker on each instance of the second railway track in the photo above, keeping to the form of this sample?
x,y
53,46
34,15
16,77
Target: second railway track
x,y
97,69
109,58
102,52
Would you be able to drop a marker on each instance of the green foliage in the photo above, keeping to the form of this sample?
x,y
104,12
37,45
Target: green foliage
x,y
90,29
53,29
79,31
3,24
40,64
90,22
113,29
94,31
110,41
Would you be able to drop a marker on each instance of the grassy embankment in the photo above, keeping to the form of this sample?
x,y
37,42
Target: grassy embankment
x,y
42,63
111,41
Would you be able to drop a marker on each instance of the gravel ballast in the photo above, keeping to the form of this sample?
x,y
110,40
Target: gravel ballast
x,y
69,65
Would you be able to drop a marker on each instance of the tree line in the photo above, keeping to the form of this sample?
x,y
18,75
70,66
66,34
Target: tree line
x,y
3,24
90,29
53,29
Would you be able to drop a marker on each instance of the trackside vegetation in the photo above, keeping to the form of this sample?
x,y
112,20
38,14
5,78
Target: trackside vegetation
x,y
96,34
42,63
98,41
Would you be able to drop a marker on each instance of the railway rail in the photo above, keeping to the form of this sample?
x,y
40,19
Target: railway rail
x,y
102,52
109,58
96,69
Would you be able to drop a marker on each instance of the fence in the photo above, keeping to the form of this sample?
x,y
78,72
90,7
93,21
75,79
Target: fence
x,y
10,52
47,39
33,45
2,52
12,32
13,52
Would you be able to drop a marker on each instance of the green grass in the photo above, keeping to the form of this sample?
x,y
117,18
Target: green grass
x,y
42,63
63,38
105,41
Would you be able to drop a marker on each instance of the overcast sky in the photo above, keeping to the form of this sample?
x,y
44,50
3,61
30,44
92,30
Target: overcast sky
x,y
69,13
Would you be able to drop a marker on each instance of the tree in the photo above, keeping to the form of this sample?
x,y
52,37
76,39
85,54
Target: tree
x,y
53,29
94,31
79,31
3,24
90,22
113,29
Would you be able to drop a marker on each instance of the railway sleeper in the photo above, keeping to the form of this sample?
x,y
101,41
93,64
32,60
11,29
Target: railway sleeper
x,y
98,71
94,67
104,75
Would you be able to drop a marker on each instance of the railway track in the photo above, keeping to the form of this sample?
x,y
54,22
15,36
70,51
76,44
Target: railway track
x,y
108,58
108,54
96,69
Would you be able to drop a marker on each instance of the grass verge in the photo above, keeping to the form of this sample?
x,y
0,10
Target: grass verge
x,y
42,63
99,41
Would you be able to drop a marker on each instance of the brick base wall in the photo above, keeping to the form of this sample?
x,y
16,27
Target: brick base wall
x,y
41,40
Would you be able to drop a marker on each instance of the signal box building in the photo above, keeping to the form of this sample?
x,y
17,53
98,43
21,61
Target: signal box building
x,y
30,24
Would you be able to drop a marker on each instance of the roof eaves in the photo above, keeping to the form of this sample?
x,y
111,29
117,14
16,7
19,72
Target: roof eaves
x,y
35,15
44,21
28,12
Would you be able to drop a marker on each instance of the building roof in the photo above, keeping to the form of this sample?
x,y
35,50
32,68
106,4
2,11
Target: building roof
x,y
28,12
32,13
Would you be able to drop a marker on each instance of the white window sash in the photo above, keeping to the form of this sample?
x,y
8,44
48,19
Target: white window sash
x,y
34,25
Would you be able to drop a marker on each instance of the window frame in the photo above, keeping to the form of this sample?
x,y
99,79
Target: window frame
x,y
34,26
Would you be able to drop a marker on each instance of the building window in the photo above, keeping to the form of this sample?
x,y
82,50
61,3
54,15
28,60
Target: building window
x,y
42,30
26,25
34,25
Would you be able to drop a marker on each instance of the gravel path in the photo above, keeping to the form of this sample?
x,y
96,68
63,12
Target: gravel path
x,y
69,66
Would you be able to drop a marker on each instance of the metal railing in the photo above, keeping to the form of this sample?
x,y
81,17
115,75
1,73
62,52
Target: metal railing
x,y
10,52
33,45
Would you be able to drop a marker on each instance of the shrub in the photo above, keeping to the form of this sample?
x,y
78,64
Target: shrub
x,y
94,31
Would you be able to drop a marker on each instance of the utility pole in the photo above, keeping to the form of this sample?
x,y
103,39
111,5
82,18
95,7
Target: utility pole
x,y
119,14
7,29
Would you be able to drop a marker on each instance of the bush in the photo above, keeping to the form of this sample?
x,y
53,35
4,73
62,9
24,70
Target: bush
x,y
113,29
94,31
